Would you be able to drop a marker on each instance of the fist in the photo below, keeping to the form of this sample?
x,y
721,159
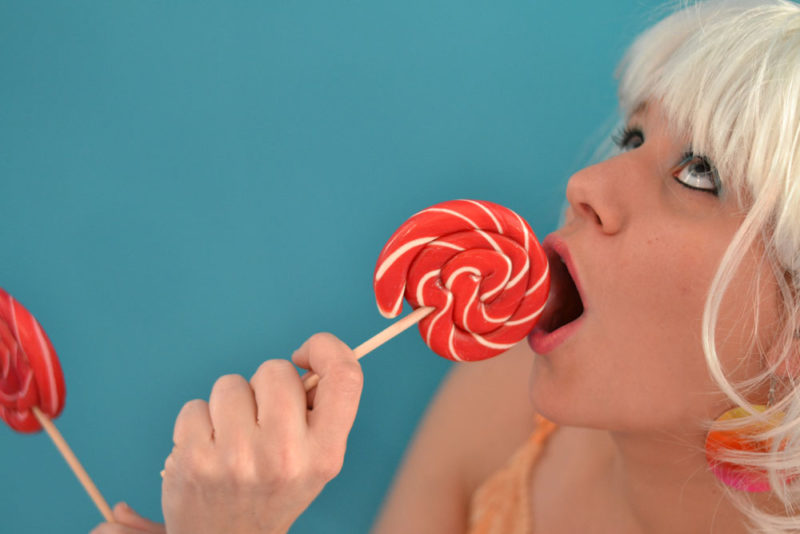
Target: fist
x,y
253,457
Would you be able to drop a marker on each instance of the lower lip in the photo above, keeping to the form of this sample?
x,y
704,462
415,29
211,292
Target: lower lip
x,y
543,342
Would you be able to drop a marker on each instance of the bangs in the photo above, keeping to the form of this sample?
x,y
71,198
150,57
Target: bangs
x,y
726,75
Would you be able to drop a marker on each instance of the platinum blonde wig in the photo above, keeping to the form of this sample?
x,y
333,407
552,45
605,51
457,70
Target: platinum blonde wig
x,y
727,74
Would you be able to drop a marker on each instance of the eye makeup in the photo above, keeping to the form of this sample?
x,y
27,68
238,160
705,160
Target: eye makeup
x,y
627,135
694,171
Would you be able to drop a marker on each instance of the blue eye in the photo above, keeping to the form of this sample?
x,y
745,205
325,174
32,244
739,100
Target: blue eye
x,y
697,172
628,138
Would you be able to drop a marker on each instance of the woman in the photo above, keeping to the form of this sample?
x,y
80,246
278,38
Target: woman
x,y
676,298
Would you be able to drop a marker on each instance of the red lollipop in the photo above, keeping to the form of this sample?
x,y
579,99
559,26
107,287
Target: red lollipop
x,y
32,390
30,374
479,264
476,264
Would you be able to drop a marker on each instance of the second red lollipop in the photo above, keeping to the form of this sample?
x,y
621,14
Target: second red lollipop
x,y
30,374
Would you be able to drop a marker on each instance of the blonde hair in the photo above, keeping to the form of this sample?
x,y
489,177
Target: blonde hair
x,y
727,73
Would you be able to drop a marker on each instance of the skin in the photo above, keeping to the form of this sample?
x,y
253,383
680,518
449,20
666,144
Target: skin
x,y
639,347
630,388
663,243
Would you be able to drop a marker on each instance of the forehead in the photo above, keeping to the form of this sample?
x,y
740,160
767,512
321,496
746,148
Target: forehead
x,y
654,117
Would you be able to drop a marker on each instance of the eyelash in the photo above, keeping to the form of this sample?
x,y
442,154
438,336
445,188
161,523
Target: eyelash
x,y
627,133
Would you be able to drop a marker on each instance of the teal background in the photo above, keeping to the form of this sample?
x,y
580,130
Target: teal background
x,y
189,188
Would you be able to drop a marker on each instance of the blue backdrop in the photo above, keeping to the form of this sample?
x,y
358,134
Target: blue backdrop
x,y
189,188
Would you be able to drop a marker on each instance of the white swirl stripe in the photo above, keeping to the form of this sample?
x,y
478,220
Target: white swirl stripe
x,y
440,243
453,353
524,229
530,317
454,213
543,279
486,343
445,310
421,285
399,252
465,315
493,319
488,212
449,282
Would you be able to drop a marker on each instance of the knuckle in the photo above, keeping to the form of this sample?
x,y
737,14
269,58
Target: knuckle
x,y
289,468
228,382
188,413
276,369
322,342
349,375
191,465
203,473
192,407
241,467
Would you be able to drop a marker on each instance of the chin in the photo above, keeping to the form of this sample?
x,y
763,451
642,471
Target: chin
x,y
547,398
564,403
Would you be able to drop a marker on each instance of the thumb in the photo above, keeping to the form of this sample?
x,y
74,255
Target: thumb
x,y
126,515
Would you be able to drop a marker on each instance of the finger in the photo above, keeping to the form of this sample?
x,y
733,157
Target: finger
x,y
280,399
339,388
127,516
193,425
233,409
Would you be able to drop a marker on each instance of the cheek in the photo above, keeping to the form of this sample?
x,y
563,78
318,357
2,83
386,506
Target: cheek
x,y
749,320
657,300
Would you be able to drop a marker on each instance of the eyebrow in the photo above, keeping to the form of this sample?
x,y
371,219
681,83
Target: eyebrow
x,y
641,107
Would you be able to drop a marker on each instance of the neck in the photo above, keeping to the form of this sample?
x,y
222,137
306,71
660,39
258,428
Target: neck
x,y
663,484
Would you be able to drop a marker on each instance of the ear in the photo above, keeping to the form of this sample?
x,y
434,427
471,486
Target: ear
x,y
786,365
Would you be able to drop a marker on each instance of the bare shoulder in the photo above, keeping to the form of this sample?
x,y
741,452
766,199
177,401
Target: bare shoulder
x,y
479,416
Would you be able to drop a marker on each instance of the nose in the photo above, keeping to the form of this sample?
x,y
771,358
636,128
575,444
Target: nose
x,y
593,196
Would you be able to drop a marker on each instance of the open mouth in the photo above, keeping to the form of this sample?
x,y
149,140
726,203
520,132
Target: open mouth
x,y
564,303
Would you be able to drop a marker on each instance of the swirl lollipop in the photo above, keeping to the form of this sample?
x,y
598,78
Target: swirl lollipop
x,y
476,264
32,390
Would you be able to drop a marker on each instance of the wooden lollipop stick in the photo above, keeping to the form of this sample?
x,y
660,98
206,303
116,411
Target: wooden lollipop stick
x,y
310,380
72,460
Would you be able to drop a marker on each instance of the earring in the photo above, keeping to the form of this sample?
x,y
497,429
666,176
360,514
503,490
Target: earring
x,y
741,477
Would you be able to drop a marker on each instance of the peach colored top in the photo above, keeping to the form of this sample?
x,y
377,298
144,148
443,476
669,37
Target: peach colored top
x,y
501,505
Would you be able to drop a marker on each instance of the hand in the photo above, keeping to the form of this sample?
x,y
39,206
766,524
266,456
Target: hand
x,y
128,522
255,456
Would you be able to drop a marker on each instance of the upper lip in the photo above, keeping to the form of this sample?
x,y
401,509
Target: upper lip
x,y
556,244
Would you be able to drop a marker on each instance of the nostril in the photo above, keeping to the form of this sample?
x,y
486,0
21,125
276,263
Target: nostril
x,y
590,211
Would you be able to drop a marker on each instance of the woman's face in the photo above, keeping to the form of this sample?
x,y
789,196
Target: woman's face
x,y
646,231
